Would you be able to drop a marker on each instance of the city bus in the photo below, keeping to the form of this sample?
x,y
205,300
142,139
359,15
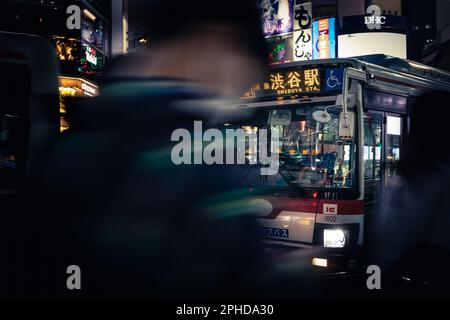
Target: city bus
x,y
342,125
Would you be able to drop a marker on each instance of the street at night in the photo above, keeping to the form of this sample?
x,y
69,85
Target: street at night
x,y
222,159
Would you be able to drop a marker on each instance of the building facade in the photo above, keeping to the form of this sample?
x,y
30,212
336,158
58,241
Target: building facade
x,y
326,29
82,34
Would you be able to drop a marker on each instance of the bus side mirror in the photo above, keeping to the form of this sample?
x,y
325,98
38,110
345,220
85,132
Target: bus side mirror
x,y
346,118
321,116
346,126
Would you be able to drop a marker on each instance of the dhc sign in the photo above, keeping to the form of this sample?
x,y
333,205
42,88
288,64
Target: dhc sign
x,y
375,20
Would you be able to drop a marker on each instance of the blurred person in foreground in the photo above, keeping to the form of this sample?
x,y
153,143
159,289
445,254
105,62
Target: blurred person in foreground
x,y
110,199
411,239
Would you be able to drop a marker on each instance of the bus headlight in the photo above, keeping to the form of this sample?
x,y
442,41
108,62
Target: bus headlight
x,y
334,238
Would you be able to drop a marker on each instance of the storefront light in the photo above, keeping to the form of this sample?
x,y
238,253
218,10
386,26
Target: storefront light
x,y
70,86
67,91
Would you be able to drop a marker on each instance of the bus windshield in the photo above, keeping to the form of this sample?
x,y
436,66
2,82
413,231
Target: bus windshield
x,y
311,153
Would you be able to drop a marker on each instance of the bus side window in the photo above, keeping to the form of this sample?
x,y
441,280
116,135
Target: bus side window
x,y
372,156
393,147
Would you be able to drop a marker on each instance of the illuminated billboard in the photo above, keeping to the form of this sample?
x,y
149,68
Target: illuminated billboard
x,y
280,49
92,61
302,35
92,30
360,44
276,16
324,38
292,34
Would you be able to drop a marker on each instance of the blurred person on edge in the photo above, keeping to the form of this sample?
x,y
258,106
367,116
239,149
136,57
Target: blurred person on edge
x,y
411,238
111,200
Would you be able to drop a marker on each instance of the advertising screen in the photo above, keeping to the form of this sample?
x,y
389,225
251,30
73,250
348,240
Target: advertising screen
x,y
92,32
280,49
92,61
302,35
359,44
276,16
324,39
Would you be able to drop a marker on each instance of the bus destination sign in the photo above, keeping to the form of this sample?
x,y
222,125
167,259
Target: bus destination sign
x,y
295,82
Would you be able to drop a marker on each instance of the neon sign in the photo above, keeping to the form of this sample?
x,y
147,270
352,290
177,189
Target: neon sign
x,y
279,53
91,55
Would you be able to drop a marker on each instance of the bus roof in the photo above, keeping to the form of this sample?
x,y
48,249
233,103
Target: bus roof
x,y
408,66
380,60
325,77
